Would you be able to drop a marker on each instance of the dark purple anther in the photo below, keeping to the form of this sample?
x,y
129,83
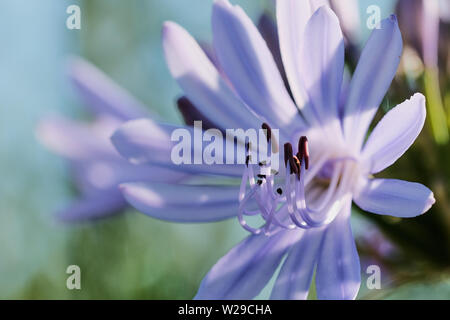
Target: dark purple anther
x,y
268,132
287,153
303,151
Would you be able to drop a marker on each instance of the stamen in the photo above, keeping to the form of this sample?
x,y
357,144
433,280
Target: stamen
x,y
303,151
272,142
247,160
288,157
293,166
268,131
297,165
287,153
287,207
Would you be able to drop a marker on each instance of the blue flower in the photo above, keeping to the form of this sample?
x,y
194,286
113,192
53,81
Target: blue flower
x,y
307,219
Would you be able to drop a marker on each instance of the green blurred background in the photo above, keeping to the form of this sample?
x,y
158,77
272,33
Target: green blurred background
x,y
129,256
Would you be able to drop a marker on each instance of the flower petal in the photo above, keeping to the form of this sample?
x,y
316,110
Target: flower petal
x,y
338,274
395,133
373,75
248,63
292,17
101,94
145,141
182,203
397,198
268,29
348,13
245,270
322,63
201,81
73,140
100,205
295,276
100,175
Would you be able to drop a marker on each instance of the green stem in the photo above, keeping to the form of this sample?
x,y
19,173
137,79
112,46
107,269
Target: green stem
x,y
436,112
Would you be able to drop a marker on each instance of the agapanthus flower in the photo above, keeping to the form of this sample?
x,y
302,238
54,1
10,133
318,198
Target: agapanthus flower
x,y
97,167
306,208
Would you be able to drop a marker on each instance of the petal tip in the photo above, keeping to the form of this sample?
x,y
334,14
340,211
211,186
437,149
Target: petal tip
x,y
429,203
122,187
167,27
223,3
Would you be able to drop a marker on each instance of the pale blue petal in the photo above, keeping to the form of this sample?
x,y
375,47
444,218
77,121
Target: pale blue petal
x,y
73,140
248,63
96,206
338,274
96,175
202,82
322,65
292,16
349,16
145,141
182,203
373,75
297,271
395,133
101,94
245,270
397,198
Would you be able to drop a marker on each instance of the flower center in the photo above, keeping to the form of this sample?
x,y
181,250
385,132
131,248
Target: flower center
x,y
329,183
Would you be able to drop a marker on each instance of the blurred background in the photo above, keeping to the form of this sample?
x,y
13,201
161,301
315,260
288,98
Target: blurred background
x,y
131,256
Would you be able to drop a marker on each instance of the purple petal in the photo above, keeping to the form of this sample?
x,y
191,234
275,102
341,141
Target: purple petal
x,y
348,13
292,17
338,274
419,22
182,203
295,276
249,65
101,94
396,198
322,63
73,140
395,133
268,29
99,205
99,175
376,69
201,82
245,270
144,141
430,33
209,51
